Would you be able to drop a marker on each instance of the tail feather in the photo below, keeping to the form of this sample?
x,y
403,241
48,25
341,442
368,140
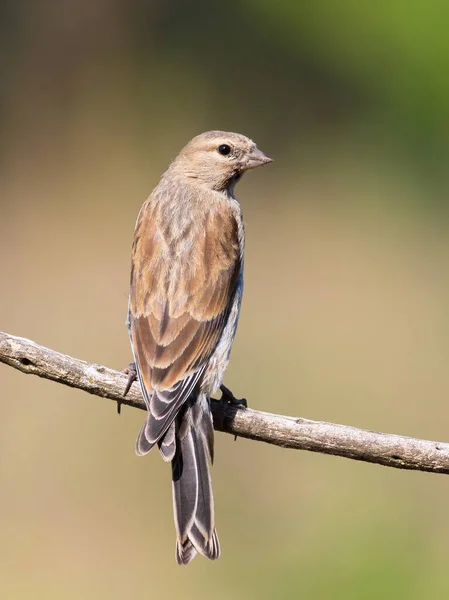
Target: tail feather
x,y
204,517
185,486
192,490
185,552
188,443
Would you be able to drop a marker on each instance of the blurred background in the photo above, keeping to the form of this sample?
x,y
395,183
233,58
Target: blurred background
x,y
345,315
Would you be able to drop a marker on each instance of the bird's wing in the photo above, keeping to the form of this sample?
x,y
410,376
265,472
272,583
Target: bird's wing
x,y
182,284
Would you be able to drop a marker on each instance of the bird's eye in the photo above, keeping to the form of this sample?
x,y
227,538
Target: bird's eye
x,y
224,149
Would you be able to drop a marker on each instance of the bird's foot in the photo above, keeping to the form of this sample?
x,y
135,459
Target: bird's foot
x,y
228,396
131,371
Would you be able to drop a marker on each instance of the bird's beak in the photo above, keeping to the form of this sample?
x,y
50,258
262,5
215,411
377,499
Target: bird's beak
x,y
256,159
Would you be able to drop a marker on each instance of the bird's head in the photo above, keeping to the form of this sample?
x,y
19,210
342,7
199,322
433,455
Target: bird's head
x,y
218,159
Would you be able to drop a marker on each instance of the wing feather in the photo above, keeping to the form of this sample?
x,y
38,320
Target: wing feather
x,y
183,279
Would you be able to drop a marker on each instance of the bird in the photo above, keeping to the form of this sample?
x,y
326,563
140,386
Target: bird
x,y
186,287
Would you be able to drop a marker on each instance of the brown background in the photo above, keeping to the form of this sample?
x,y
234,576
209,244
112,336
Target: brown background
x,y
345,313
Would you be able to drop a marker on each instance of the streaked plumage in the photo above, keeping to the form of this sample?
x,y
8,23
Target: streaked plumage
x,y
186,289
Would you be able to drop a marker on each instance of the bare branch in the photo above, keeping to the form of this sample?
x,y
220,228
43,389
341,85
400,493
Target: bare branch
x,y
289,432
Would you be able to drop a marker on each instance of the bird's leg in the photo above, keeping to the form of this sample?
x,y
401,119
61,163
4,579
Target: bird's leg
x,y
131,371
228,396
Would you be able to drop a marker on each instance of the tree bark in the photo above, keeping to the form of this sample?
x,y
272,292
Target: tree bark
x,y
288,432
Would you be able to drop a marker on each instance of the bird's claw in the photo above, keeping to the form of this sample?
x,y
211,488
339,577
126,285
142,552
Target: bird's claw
x,y
228,396
131,371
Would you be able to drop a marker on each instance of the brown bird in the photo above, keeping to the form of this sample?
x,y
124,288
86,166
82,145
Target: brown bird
x,y
186,291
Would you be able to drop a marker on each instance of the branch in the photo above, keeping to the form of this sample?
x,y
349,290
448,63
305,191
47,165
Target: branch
x,y
289,432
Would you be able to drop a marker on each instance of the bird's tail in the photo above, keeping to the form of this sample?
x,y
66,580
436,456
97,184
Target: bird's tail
x,y
192,490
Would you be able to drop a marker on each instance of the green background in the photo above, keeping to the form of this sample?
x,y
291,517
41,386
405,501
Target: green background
x,y
345,313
